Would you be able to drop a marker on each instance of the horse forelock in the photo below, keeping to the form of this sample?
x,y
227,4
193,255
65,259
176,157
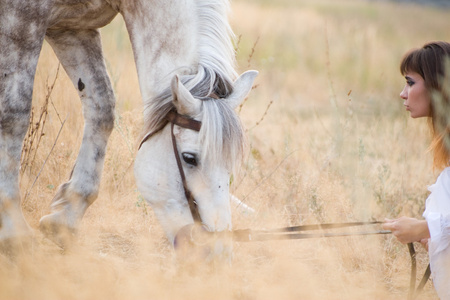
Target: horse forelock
x,y
222,135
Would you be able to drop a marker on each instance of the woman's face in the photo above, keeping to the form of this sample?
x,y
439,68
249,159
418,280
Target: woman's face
x,y
416,96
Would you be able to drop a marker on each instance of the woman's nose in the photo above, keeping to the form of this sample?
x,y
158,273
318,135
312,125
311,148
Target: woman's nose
x,y
404,94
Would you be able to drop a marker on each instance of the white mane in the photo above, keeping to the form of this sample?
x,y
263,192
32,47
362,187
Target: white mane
x,y
221,134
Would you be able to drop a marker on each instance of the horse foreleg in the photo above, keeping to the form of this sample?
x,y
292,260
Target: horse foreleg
x,y
15,102
21,37
81,55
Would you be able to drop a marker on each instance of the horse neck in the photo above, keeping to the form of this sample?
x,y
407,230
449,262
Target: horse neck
x,y
178,37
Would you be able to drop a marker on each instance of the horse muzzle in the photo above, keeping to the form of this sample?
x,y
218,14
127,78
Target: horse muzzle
x,y
195,243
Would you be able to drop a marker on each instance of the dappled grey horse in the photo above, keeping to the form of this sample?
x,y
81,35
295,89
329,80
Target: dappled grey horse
x,y
185,62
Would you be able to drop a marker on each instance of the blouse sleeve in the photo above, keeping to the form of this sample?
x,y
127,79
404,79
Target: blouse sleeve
x,y
439,227
437,213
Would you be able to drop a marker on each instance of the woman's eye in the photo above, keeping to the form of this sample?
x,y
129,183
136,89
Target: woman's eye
x,y
189,158
409,81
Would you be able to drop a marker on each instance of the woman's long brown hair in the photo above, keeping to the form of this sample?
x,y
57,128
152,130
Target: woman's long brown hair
x,y
430,62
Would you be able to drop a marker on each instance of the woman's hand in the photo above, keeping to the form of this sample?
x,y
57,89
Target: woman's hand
x,y
407,230
424,243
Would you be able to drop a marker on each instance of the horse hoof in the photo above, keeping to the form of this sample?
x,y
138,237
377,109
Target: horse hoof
x,y
16,236
13,247
60,234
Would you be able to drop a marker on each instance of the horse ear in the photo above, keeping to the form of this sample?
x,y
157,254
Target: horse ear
x,y
183,100
241,88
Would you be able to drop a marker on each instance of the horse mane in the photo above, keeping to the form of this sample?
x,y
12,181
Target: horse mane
x,y
221,134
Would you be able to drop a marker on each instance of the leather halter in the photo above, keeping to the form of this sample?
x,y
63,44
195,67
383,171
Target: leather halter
x,y
186,122
182,121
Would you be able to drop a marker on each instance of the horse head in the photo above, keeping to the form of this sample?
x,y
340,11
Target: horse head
x,y
207,156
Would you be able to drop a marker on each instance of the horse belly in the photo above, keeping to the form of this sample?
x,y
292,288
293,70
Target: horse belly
x,y
76,14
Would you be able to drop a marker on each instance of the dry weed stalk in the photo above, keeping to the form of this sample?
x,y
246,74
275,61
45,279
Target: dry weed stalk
x,y
45,161
36,130
35,134
238,42
252,150
263,116
249,60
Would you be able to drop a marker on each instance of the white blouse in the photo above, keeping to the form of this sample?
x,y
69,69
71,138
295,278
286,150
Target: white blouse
x,y
437,214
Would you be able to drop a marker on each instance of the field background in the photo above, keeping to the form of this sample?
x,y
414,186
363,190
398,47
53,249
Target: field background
x,y
328,141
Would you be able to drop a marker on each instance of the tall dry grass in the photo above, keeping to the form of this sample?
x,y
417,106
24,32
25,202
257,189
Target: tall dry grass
x,y
328,142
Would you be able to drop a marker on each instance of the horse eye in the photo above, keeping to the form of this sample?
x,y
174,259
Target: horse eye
x,y
189,158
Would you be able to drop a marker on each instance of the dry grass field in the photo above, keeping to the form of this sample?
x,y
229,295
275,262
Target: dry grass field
x,y
328,141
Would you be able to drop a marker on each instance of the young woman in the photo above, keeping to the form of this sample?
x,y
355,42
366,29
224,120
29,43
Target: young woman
x,y
426,94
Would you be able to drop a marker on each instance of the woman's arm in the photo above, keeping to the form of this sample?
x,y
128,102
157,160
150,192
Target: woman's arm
x,y
407,230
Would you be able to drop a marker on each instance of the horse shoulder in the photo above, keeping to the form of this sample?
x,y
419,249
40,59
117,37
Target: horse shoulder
x,y
76,15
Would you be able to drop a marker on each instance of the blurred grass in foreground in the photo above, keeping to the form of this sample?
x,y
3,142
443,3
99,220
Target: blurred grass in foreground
x,y
334,146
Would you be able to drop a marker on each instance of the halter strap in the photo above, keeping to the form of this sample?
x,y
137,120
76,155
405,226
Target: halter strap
x,y
183,121
190,199
177,119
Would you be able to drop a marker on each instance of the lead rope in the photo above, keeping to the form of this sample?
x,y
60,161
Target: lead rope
x,y
413,292
296,232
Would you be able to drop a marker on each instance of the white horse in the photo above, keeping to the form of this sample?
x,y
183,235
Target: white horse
x,y
185,62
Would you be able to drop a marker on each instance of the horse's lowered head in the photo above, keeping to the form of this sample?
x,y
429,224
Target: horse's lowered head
x,y
208,152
